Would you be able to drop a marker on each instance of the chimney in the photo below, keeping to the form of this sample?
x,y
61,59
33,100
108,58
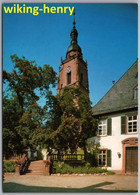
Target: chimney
x,y
113,82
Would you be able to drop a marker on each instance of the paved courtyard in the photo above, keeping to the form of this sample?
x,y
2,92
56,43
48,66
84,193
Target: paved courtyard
x,y
71,183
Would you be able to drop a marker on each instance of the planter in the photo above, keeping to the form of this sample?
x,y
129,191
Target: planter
x,y
47,162
47,167
17,169
47,170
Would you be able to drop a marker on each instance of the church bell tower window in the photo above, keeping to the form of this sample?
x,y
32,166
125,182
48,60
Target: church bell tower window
x,y
68,75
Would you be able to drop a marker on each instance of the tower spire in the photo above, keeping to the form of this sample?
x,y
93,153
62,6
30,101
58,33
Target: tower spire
x,y
74,35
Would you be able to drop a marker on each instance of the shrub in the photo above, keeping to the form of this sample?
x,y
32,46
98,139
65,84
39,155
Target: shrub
x,y
72,167
110,173
75,163
87,164
8,166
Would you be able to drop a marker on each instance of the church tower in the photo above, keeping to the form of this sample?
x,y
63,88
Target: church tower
x,y
73,70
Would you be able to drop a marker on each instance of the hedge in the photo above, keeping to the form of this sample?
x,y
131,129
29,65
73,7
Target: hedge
x,y
8,166
67,168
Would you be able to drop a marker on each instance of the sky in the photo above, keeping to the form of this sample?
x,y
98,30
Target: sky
x,y
107,35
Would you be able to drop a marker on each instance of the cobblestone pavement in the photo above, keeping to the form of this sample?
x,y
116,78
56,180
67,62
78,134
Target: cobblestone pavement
x,y
106,182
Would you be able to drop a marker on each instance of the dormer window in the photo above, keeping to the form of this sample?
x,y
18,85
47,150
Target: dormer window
x,y
136,92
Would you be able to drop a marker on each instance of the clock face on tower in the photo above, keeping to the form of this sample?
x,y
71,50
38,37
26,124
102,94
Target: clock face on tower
x,y
69,69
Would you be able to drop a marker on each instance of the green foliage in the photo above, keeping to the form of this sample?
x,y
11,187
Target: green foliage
x,y
75,163
110,173
68,168
23,117
92,147
71,122
8,166
11,117
64,122
92,152
40,156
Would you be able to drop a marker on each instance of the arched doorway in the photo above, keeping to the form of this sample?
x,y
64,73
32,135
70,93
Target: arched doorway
x,y
130,155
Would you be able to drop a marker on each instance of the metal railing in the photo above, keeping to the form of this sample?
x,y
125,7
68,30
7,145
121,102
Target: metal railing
x,y
66,157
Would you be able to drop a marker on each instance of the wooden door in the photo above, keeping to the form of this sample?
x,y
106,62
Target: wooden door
x,y
132,159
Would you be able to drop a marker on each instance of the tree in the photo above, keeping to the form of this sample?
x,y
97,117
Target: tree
x,y
74,121
22,114
92,152
11,117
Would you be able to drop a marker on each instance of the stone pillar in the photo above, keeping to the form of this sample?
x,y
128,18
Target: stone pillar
x,y
17,169
47,170
47,167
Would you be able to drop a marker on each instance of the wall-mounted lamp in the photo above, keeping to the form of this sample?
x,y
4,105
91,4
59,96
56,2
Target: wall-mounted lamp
x,y
119,154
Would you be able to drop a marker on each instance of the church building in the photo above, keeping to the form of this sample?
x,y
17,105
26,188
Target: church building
x,y
73,70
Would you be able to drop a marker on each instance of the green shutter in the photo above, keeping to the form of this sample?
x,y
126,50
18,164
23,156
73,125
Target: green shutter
x,y
109,158
109,126
123,125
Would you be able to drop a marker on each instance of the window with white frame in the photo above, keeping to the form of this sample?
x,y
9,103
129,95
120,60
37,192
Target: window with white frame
x,y
102,158
132,124
102,127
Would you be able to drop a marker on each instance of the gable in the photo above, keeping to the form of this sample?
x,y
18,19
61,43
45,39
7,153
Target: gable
x,y
121,95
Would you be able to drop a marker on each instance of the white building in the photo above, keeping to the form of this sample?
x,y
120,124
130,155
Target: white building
x,y
117,132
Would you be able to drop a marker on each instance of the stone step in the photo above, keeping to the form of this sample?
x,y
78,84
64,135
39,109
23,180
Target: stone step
x,y
35,173
36,168
37,163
